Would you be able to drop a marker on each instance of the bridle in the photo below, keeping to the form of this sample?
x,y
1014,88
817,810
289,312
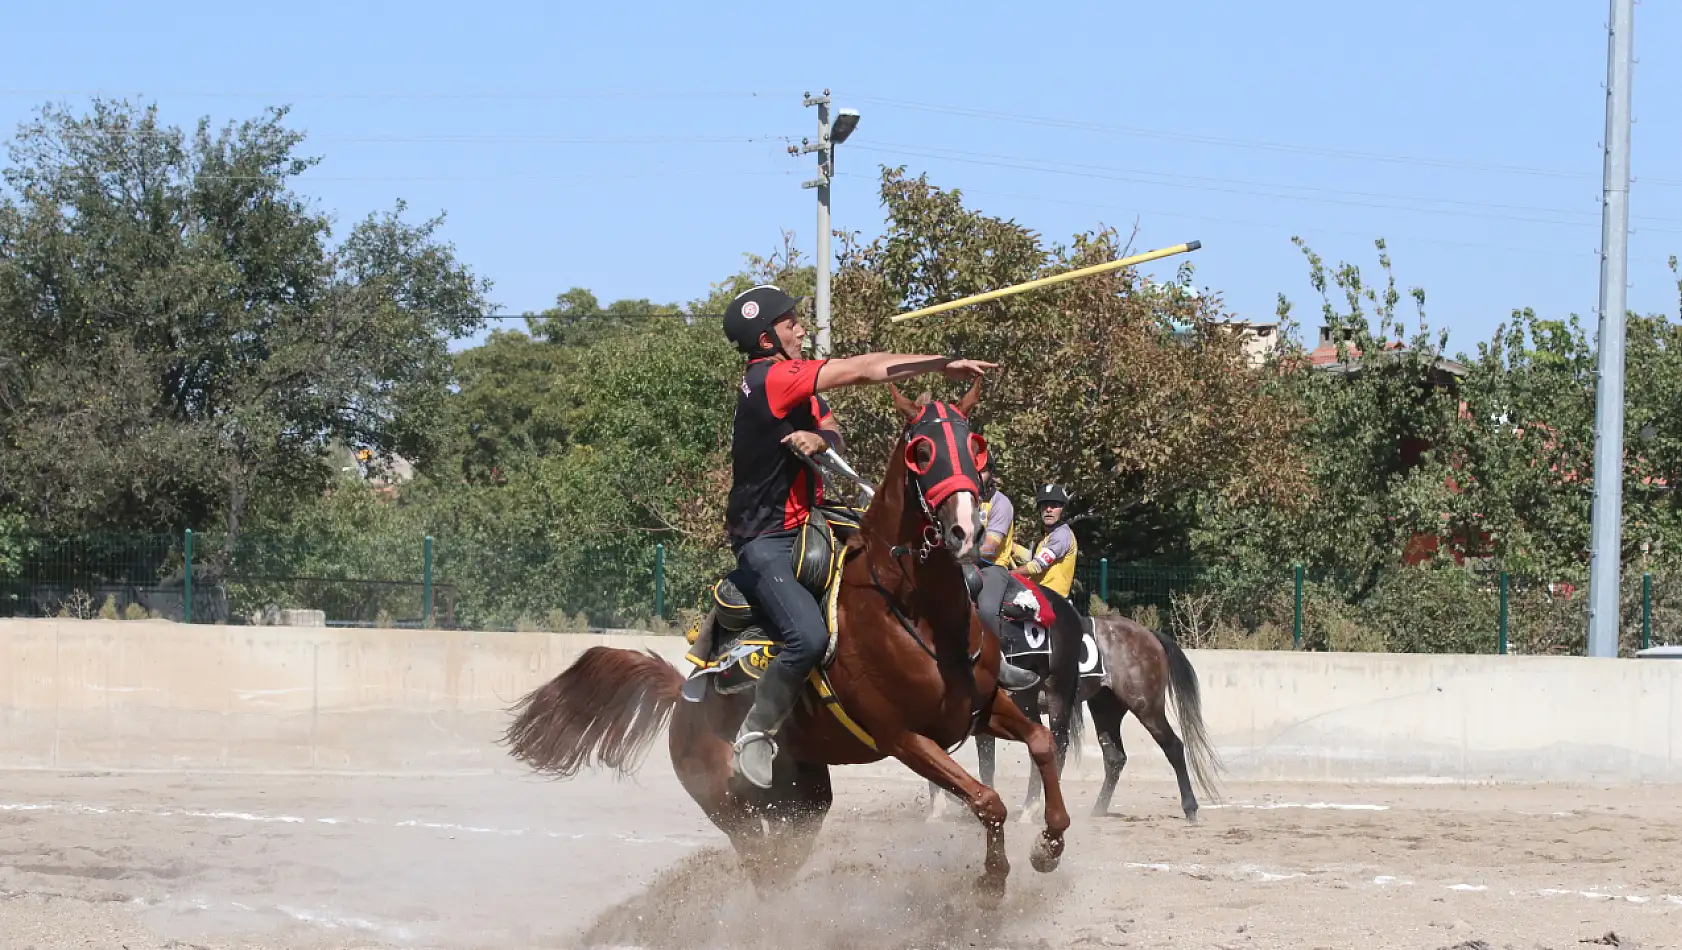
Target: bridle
x,y
953,471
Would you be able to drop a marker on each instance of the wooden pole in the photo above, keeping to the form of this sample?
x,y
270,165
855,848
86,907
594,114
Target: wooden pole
x,y
1048,281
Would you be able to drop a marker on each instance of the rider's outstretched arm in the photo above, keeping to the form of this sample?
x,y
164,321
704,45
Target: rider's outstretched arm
x,y
891,368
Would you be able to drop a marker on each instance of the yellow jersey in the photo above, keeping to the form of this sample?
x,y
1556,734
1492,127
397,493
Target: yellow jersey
x,y
1059,573
1006,556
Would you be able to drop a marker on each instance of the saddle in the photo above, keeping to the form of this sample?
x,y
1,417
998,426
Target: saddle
x,y
1023,619
730,647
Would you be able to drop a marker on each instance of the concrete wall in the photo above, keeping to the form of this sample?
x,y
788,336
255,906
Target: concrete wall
x,y
156,695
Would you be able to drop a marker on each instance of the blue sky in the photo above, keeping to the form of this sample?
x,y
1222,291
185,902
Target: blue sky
x,y
638,150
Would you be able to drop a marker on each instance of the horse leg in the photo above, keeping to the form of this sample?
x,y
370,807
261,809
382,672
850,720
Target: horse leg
x,y
1107,714
794,816
1010,722
704,768
1058,716
1156,722
1030,705
925,757
985,754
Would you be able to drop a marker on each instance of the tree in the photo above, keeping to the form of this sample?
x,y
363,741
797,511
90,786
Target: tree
x,y
1100,388
1530,446
517,397
578,318
583,450
182,284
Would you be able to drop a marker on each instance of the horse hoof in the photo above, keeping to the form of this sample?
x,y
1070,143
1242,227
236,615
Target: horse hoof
x,y
1047,853
1191,815
989,890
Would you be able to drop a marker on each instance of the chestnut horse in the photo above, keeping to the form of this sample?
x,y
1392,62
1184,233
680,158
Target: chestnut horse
x,y
913,675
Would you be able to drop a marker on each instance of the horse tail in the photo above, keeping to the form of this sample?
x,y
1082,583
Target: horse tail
x,y
1188,708
604,710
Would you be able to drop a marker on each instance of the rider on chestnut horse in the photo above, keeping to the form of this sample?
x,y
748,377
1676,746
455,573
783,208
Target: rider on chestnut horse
x,y
772,493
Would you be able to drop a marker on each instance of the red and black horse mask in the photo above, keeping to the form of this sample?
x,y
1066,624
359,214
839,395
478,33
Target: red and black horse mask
x,y
942,454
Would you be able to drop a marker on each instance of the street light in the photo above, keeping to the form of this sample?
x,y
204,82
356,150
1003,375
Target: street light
x,y
845,122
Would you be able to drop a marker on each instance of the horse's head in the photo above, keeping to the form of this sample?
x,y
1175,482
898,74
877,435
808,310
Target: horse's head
x,y
943,458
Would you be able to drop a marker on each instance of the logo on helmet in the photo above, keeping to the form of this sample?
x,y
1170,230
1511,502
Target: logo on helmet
x,y
750,309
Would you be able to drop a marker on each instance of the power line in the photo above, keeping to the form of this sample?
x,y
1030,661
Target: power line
x,y
586,178
888,101
604,314
1217,185
1058,165
416,96
1273,226
1086,126
457,138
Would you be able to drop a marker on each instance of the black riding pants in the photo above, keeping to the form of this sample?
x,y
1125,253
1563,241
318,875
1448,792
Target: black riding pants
x,y
766,574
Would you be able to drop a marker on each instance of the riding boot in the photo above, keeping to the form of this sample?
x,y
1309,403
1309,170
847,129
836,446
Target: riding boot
x,y
1014,678
773,701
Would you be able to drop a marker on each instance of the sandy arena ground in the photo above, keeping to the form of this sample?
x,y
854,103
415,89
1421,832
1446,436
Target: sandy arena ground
x,y
149,861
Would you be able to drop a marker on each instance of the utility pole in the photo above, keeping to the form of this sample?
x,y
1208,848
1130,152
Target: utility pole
x,y
826,169
825,147
1607,531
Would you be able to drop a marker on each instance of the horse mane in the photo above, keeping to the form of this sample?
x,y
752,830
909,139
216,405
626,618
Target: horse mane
x,y
874,525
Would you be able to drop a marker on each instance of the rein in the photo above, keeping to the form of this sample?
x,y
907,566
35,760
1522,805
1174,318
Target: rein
x,y
977,708
930,539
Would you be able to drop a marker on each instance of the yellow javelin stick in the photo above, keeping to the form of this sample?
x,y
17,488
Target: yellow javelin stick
x,y
1048,281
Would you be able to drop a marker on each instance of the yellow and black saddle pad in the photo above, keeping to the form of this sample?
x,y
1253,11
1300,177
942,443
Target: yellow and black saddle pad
x,y
732,619
741,665
740,651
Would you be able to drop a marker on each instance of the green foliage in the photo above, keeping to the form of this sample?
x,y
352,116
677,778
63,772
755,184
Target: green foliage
x,y
184,342
349,551
578,318
517,400
1417,610
580,457
1095,388
15,546
1381,421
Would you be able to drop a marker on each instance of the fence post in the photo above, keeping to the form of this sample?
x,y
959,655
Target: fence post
x,y
187,581
1646,611
1503,613
426,582
1104,579
660,581
1296,624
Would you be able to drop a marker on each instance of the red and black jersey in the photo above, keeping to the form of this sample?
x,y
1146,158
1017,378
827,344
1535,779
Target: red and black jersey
x,y
770,488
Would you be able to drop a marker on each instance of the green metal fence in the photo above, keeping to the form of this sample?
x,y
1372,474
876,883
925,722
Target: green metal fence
x,y
463,583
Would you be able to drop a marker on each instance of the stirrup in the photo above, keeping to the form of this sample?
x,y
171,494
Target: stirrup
x,y
746,737
736,750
